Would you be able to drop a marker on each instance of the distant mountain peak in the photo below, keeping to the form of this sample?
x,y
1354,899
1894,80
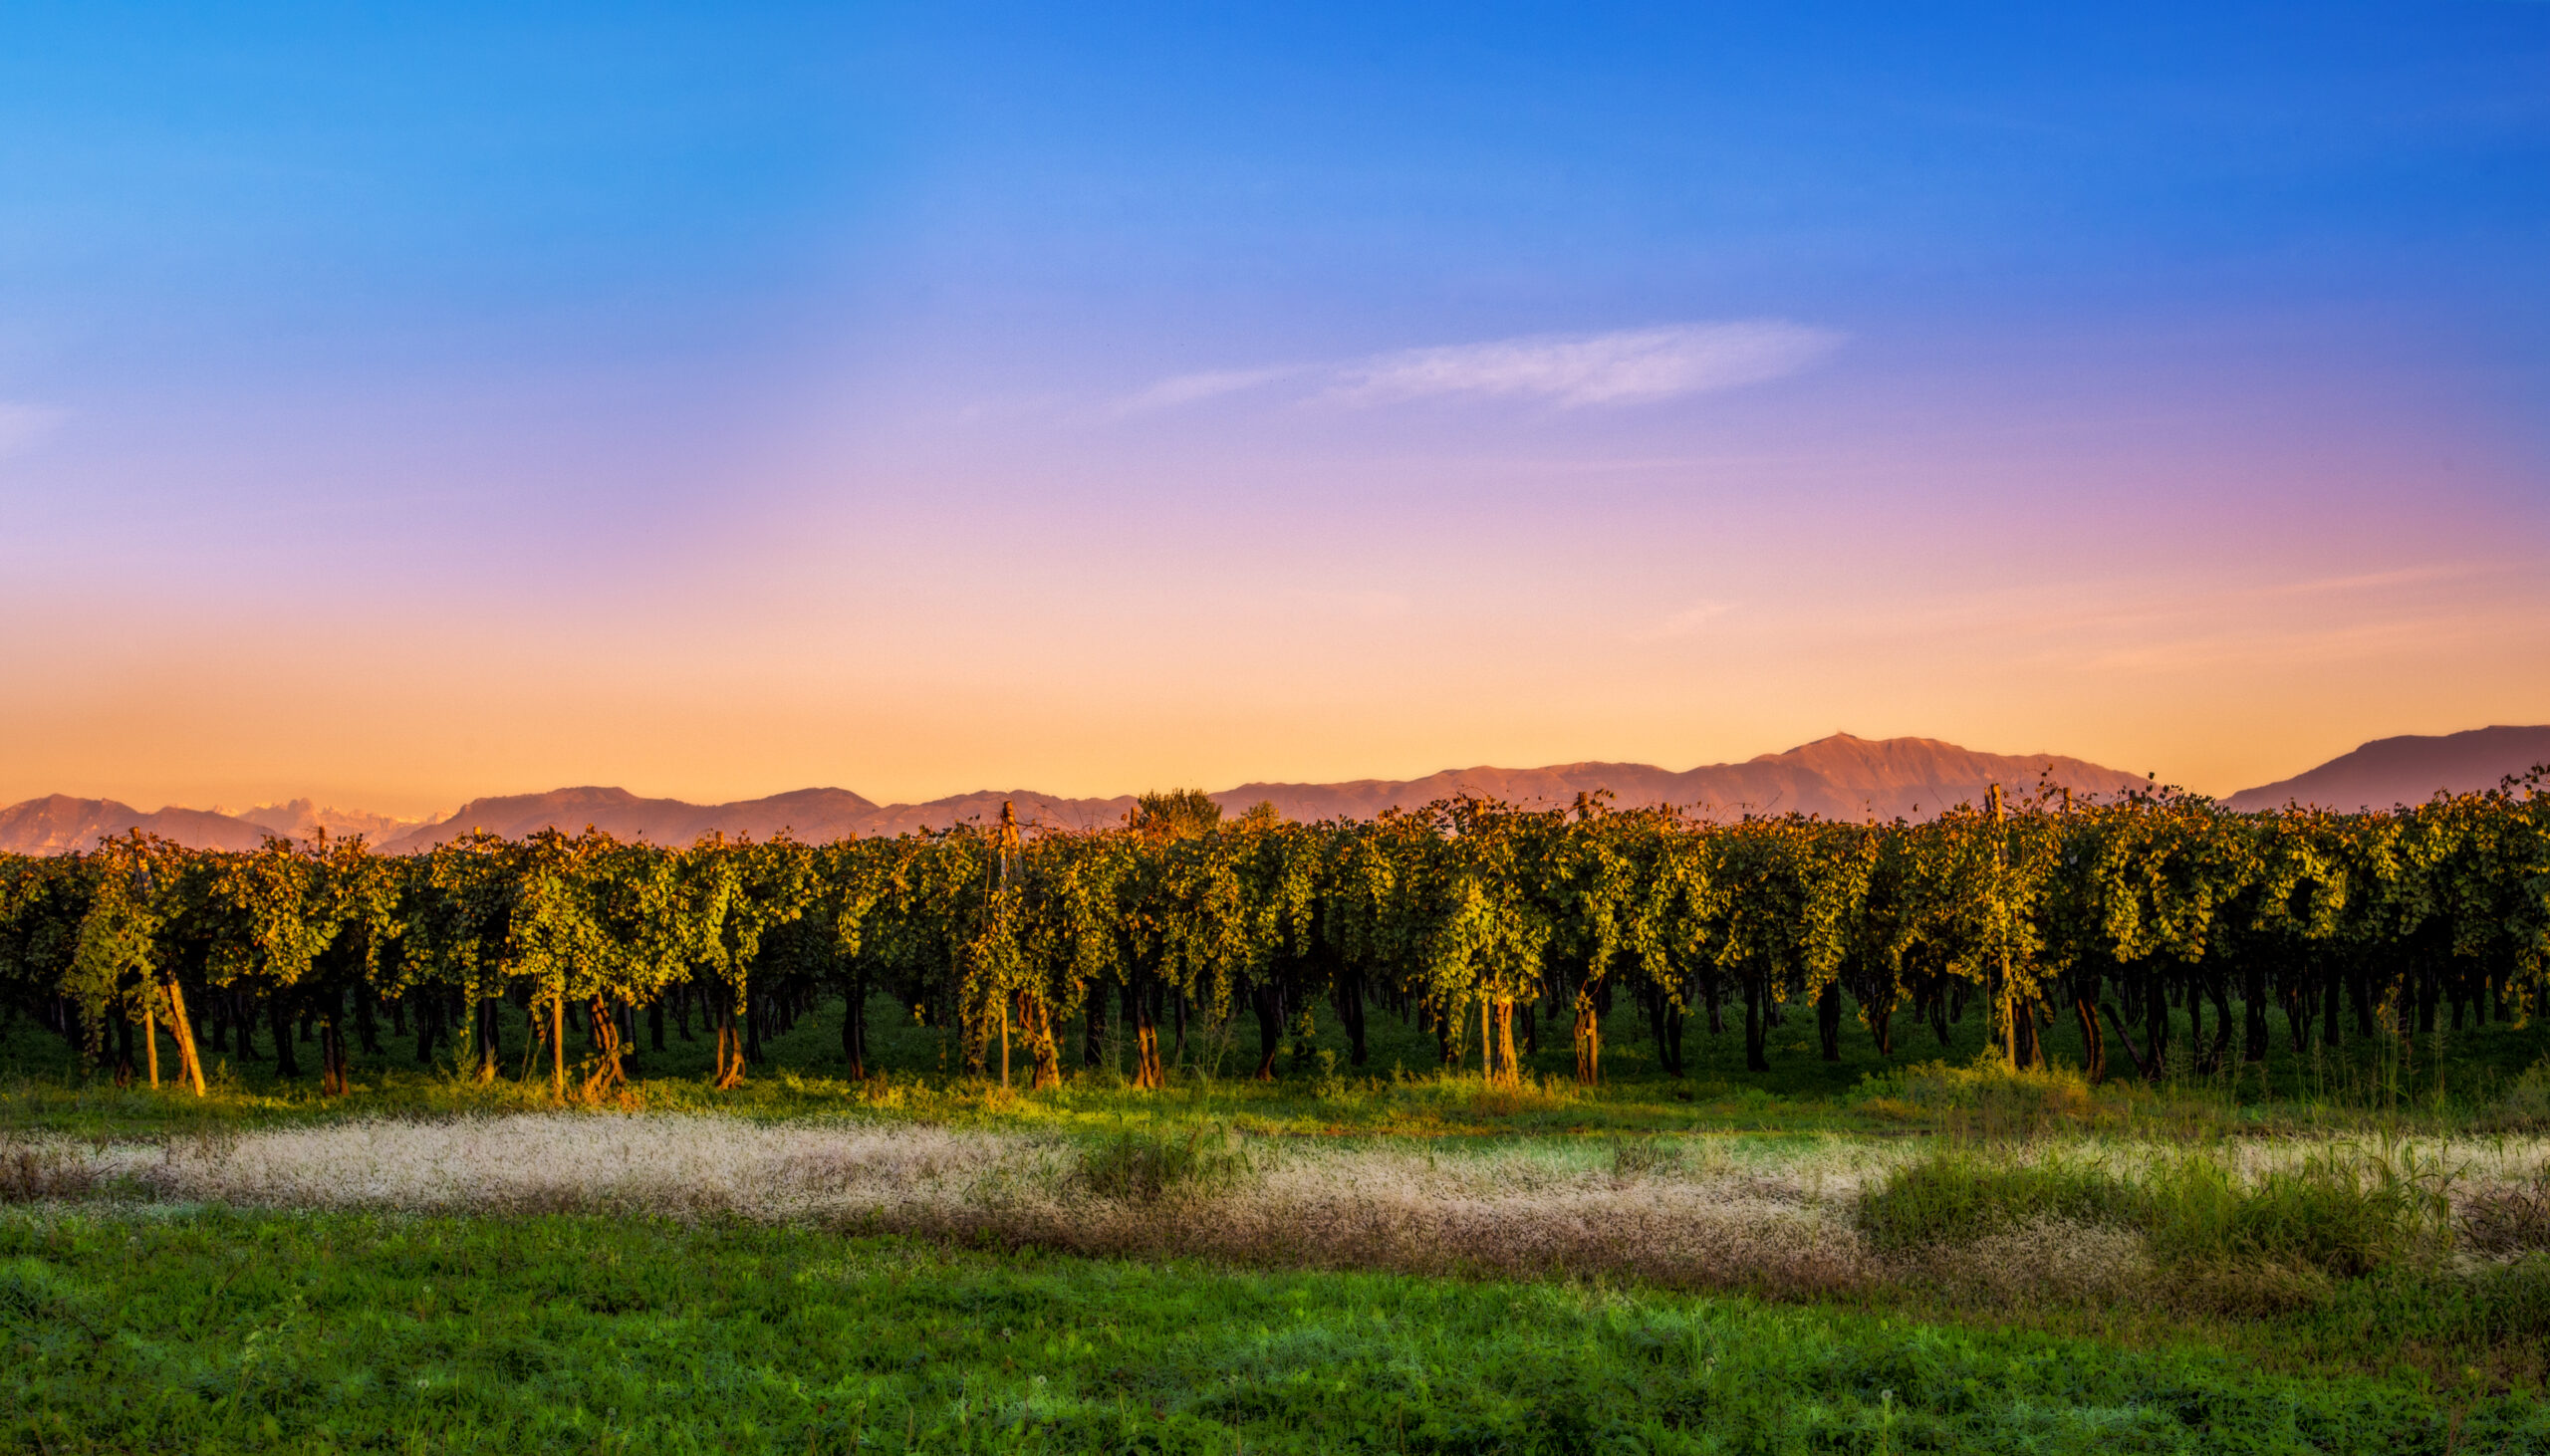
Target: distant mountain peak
x,y
1839,776
807,814
2408,769
58,824
303,819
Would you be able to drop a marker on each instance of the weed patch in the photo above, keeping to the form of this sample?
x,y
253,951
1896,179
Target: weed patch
x,y
1157,1168
1636,1158
1955,1196
43,1169
2345,1211
2513,1219
2524,1106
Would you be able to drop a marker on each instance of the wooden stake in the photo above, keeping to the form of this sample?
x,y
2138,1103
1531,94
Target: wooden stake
x,y
188,1062
731,1050
2000,937
1007,847
1588,1040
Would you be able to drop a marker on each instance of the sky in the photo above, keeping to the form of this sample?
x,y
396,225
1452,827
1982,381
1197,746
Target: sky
x,y
406,404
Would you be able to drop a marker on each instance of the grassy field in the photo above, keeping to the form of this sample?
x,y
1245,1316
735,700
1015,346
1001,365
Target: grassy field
x,y
2325,1253
209,1331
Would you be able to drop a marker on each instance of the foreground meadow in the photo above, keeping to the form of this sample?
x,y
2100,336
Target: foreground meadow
x,y
204,1329
1878,1254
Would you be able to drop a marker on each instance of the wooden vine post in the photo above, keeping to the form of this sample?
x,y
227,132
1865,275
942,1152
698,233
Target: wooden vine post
x,y
182,1029
608,1049
1008,847
2003,999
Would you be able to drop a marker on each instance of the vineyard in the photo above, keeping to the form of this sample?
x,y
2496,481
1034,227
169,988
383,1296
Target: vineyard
x,y
1473,1128
2100,934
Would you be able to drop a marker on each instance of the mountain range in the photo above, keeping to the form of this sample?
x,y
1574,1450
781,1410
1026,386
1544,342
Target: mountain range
x,y
2408,769
58,824
1839,776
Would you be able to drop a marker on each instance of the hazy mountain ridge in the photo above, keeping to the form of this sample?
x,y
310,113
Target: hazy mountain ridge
x,y
2408,769
300,819
58,824
1841,775
813,814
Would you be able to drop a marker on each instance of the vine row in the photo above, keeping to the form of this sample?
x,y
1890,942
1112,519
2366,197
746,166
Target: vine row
x,y
2086,921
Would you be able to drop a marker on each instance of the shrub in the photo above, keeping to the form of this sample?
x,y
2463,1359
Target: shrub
x,y
2345,1211
1150,1167
1987,1098
1634,1156
1956,1196
33,1171
2511,1301
2509,1220
2525,1102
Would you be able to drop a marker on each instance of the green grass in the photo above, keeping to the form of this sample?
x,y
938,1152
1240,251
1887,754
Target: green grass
x,y
2345,1260
1149,1167
1958,1195
2472,1079
2311,1311
2345,1211
211,1330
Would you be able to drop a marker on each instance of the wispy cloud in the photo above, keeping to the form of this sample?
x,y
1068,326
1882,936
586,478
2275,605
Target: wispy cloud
x,y
23,425
1567,371
1187,388
1625,367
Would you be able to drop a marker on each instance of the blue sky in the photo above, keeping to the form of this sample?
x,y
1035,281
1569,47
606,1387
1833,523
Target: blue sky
x,y
728,399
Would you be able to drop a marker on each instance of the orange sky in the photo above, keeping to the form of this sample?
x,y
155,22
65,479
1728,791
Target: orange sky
x,y
1053,671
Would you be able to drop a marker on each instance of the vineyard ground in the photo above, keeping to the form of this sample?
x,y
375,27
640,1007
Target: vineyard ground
x,y
209,1330
2471,1080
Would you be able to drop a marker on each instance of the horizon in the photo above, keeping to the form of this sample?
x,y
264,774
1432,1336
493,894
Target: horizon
x,y
402,407
1253,782
411,819
1248,782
